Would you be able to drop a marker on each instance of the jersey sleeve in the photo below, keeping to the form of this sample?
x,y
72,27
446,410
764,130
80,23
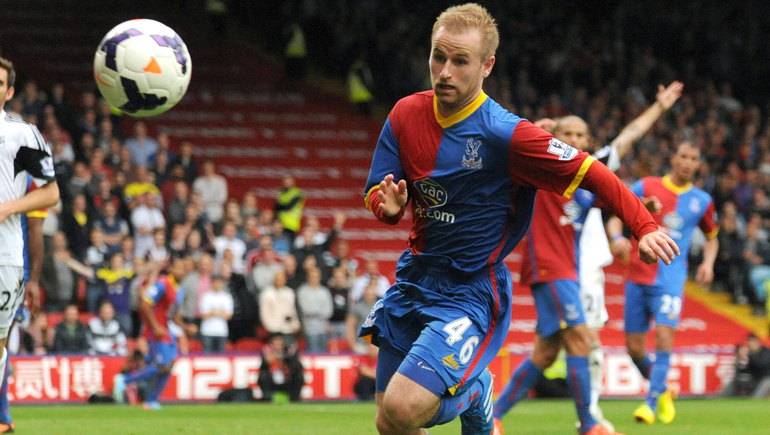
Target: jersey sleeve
x,y
608,155
154,293
386,160
34,156
537,159
638,189
708,223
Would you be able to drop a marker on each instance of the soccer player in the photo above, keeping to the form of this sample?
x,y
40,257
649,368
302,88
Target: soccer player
x,y
23,152
471,170
593,248
655,291
32,231
159,303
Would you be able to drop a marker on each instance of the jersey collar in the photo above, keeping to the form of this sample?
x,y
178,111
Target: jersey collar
x,y
673,187
459,116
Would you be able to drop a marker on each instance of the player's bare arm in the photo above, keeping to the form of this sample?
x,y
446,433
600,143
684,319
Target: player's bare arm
x,y
665,98
705,273
619,244
393,196
189,328
42,197
35,246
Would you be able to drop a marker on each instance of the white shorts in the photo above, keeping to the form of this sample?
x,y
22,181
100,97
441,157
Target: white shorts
x,y
592,295
11,296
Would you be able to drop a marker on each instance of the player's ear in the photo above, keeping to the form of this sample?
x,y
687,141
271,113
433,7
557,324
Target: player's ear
x,y
487,66
9,93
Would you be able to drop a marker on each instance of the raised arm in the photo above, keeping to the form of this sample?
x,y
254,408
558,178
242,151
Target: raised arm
x,y
634,131
386,192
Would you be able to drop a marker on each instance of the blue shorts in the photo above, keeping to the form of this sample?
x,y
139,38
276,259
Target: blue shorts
x,y
558,306
453,324
645,301
161,354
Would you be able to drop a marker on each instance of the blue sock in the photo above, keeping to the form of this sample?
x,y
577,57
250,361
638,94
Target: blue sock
x,y
658,377
5,409
524,379
145,372
158,386
452,406
579,380
643,365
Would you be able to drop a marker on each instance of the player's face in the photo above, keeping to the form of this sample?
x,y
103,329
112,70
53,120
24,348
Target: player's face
x,y
573,133
6,92
456,68
685,162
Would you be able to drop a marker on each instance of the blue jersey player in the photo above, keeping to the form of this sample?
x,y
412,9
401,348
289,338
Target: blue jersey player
x,y
470,169
653,291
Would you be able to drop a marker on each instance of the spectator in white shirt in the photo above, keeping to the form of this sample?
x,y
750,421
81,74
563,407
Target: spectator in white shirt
x,y
277,308
216,310
105,337
158,252
146,218
229,241
213,191
372,273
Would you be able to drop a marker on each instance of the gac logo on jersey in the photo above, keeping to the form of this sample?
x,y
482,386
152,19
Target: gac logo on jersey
x,y
432,192
561,149
471,159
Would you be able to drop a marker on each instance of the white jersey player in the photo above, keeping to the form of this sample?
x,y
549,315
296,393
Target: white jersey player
x,y
22,151
595,253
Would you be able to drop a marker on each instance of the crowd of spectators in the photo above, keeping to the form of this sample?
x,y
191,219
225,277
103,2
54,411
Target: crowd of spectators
x,y
129,204
557,61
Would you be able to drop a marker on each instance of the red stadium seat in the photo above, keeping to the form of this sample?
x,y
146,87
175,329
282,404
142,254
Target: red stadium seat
x,y
248,344
194,346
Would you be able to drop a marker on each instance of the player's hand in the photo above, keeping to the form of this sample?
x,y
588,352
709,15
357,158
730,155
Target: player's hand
x,y
652,204
159,332
668,96
621,248
546,124
191,329
704,274
392,196
657,245
32,289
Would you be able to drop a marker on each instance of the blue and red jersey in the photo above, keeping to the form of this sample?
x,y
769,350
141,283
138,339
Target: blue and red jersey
x,y
553,242
472,179
24,231
682,209
164,297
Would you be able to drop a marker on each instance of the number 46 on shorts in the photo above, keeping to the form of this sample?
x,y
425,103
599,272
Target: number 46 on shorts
x,y
455,329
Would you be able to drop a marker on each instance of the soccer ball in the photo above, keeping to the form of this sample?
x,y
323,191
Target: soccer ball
x,y
142,67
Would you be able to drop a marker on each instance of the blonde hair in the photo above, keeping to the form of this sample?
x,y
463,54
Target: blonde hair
x,y
462,18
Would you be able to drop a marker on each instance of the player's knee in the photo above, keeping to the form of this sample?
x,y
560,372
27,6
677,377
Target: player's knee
x,y
578,340
402,412
544,357
635,348
664,338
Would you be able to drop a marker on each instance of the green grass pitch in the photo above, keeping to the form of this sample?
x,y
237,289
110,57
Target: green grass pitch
x,y
694,417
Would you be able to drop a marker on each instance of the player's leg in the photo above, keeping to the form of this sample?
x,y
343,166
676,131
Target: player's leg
x,y
11,297
166,354
592,297
637,322
667,306
528,374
